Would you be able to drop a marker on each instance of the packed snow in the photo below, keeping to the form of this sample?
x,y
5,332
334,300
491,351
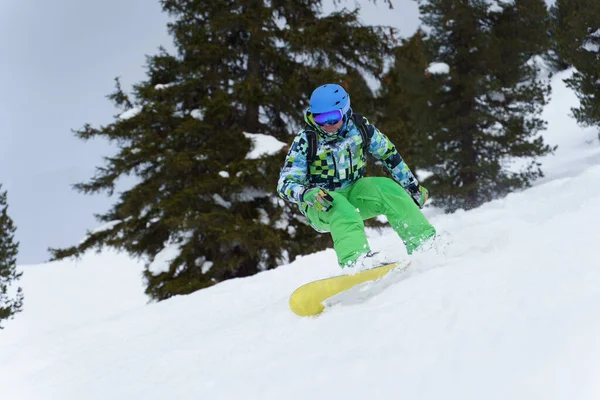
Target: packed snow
x,y
263,145
504,307
591,46
438,68
497,6
132,112
162,261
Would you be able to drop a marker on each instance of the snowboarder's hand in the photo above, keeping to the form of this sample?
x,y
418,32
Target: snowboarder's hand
x,y
319,199
419,194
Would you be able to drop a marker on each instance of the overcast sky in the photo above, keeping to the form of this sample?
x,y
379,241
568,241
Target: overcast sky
x,y
59,61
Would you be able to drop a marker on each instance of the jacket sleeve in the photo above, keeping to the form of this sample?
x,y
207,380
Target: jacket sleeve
x,y
384,150
293,178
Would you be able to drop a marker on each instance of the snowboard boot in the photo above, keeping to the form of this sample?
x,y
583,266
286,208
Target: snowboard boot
x,y
372,259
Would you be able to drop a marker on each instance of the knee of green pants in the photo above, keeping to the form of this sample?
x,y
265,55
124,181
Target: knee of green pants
x,y
403,215
346,226
348,232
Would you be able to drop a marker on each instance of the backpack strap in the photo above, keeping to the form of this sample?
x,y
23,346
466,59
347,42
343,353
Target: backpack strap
x,y
312,138
365,132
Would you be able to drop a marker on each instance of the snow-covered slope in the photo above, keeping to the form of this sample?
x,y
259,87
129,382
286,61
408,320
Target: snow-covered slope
x,y
507,309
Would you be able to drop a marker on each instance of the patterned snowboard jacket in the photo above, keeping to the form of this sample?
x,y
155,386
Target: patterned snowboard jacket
x,y
339,162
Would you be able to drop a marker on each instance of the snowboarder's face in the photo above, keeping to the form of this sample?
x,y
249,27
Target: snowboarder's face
x,y
333,128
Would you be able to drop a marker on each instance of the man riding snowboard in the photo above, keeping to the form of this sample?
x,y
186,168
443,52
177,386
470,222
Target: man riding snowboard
x,y
324,175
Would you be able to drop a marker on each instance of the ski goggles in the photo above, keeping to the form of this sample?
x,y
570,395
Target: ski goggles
x,y
328,118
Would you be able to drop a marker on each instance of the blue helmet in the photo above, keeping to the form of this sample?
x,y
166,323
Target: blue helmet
x,y
330,97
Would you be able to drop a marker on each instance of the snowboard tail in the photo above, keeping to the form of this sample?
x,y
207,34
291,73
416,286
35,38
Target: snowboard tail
x,y
308,299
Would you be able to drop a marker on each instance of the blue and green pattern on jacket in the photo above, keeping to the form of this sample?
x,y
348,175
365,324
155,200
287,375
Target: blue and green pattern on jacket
x,y
339,162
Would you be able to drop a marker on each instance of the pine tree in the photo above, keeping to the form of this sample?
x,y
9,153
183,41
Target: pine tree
x,y
488,106
404,114
561,27
11,299
241,66
570,22
577,31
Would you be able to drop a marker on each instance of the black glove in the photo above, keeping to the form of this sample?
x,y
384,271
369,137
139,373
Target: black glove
x,y
418,193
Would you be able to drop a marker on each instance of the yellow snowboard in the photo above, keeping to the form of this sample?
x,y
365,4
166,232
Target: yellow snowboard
x,y
308,299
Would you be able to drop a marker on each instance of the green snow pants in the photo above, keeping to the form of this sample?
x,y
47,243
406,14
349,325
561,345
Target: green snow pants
x,y
365,199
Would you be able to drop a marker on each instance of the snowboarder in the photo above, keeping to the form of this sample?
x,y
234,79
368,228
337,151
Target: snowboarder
x,y
324,175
